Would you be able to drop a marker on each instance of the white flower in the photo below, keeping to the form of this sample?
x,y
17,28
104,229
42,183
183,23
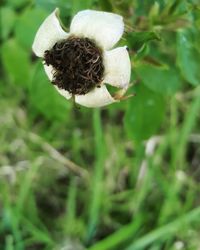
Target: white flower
x,y
101,30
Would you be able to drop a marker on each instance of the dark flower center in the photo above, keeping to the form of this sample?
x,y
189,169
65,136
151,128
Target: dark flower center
x,y
78,65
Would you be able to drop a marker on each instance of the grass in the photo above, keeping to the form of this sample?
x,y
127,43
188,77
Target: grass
x,y
74,178
113,209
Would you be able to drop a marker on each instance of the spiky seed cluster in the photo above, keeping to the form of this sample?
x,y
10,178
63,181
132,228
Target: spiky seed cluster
x,y
78,65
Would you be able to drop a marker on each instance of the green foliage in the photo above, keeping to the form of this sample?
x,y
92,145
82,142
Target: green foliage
x,y
26,27
16,62
77,5
138,39
50,5
17,3
144,114
162,80
188,56
8,16
122,177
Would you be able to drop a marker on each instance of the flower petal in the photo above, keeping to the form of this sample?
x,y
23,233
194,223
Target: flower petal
x,y
98,97
63,92
117,67
48,34
104,27
49,71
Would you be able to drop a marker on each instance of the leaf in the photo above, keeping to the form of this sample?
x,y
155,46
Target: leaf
x,y
141,53
16,62
144,114
17,3
159,79
137,39
28,25
78,5
8,17
106,5
188,57
45,98
63,5
50,5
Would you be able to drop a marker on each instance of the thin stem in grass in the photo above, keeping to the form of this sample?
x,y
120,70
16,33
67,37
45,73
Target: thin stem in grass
x,y
96,184
188,125
9,243
139,156
173,133
70,217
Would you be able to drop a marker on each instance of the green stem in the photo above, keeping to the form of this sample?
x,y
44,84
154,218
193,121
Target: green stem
x,y
96,183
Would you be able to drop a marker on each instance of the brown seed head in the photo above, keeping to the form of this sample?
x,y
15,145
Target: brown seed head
x,y
78,65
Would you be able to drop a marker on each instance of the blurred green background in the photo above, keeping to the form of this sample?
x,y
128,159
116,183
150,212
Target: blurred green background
x,y
124,177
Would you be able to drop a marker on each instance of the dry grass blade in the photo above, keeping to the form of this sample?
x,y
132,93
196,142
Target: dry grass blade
x,y
56,155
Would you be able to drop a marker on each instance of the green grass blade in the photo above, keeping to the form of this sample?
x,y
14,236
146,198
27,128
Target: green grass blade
x,y
118,237
189,124
166,230
97,184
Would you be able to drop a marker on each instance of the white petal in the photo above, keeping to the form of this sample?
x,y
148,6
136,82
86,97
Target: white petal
x,y
98,97
48,34
49,71
104,27
63,92
117,67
